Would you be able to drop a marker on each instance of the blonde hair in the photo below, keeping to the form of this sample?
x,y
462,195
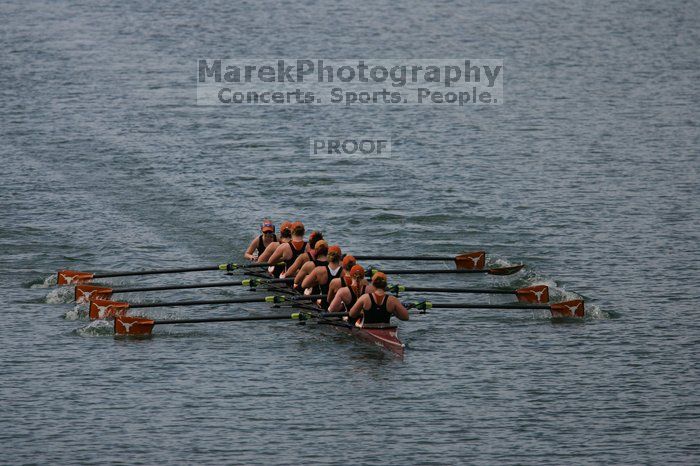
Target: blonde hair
x,y
379,280
321,247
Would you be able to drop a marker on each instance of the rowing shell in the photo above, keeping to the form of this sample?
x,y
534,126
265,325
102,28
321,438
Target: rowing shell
x,y
381,335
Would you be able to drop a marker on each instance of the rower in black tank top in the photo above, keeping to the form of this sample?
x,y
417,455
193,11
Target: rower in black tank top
x,y
261,244
295,252
324,288
318,262
377,313
354,297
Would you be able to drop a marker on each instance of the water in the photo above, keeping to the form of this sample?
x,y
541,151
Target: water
x,y
588,173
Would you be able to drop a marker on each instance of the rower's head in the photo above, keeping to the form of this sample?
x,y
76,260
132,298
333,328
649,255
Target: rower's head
x,y
349,262
268,228
379,280
315,237
298,229
321,248
286,231
334,254
357,273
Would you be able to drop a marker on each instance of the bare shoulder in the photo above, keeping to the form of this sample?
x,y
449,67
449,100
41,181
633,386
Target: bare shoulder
x,y
392,300
308,267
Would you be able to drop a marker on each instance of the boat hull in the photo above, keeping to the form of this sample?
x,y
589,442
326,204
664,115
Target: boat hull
x,y
382,335
385,336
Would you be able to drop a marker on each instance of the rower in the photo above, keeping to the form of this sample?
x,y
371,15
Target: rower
x,y
347,296
285,237
319,258
310,254
314,238
262,241
288,252
321,276
377,307
337,283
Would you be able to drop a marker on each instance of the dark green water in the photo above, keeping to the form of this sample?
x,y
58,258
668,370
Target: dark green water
x,y
588,173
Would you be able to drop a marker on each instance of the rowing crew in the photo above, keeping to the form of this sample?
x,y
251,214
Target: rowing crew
x,y
320,269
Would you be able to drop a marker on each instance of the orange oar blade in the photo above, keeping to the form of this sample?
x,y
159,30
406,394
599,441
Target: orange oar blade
x,y
103,309
125,325
572,308
471,260
72,277
83,293
533,294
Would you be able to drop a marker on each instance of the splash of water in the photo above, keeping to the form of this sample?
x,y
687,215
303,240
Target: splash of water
x,y
96,328
60,295
48,282
78,312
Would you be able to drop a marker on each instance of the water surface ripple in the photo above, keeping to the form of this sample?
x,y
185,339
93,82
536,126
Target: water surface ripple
x,y
588,173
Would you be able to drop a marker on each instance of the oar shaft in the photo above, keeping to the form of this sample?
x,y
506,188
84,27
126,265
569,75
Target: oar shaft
x,y
223,319
430,271
225,301
457,290
198,303
399,258
175,287
197,285
488,306
154,272
245,318
176,270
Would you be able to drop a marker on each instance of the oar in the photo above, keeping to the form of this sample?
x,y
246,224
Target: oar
x,y
72,277
125,325
83,293
103,309
464,260
492,271
530,294
573,308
